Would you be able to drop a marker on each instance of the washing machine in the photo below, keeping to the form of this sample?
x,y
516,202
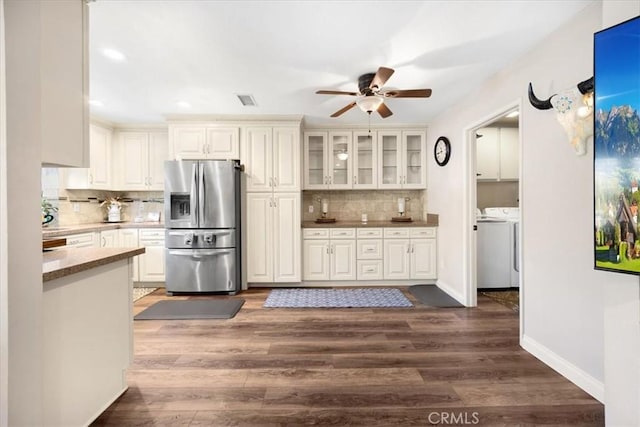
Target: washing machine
x,y
498,248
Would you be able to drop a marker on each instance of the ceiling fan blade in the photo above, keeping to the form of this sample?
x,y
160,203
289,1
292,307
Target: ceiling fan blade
x,y
336,92
409,93
384,111
381,77
344,110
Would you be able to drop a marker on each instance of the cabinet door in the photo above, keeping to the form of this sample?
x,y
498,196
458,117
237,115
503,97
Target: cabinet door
x,y
128,238
100,158
223,143
423,259
340,160
259,237
158,153
315,255
286,242
315,167
188,142
365,160
343,259
257,157
286,159
389,159
509,154
151,263
396,258
132,167
109,239
487,157
414,172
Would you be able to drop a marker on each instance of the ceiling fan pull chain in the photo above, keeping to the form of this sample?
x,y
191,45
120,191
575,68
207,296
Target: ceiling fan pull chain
x,y
369,125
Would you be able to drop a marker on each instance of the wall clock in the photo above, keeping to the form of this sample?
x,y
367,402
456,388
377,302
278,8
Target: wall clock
x,y
442,150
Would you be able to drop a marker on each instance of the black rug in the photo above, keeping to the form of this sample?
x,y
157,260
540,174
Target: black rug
x,y
192,309
433,296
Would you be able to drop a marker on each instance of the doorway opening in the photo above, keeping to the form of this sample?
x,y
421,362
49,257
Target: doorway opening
x,y
493,210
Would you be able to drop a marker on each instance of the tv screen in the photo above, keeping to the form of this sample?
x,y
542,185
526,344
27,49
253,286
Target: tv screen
x,y
616,165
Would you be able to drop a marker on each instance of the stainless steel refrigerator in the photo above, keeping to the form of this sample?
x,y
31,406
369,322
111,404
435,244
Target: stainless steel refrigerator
x,y
203,218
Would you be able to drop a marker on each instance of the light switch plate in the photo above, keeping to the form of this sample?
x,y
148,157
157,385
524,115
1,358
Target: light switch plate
x,y
310,208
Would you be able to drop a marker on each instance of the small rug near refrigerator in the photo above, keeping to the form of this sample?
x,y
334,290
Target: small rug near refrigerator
x,y
336,298
192,309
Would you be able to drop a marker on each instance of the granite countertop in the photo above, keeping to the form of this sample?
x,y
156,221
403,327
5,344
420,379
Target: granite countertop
x,y
64,262
432,221
64,230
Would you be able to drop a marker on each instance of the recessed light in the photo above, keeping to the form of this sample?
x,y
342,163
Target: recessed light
x,y
96,103
513,114
183,104
114,55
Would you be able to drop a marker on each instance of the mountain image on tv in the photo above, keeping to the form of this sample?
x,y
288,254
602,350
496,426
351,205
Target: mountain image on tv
x,y
617,147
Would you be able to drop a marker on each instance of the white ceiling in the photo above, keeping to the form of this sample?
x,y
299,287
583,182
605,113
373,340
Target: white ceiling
x,y
281,52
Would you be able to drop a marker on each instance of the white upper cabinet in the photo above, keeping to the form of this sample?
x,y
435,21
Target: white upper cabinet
x,y
64,82
271,157
402,159
204,141
98,175
497,154
141,156
328,160
365,160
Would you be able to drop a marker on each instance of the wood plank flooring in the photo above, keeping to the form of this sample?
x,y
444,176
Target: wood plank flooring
x,y
415,366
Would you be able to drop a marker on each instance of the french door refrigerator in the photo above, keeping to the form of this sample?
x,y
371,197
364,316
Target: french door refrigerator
x,y
202,200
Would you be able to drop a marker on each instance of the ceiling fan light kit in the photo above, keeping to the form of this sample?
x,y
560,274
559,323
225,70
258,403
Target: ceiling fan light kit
x,y
371,98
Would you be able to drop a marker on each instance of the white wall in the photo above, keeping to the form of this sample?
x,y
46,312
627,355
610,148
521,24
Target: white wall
x,y
563,310
23,237
621,306
4,306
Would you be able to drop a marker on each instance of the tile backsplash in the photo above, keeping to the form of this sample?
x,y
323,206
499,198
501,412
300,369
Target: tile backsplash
x,y
350,205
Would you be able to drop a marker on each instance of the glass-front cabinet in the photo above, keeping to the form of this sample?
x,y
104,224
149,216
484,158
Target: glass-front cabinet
x,y
402,159
328,159
365,160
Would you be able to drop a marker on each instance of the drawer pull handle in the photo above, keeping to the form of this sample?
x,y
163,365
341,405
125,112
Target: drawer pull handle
x,y
369,270
370,250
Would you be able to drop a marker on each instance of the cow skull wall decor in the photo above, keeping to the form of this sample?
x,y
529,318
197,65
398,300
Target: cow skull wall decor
x,y
574,111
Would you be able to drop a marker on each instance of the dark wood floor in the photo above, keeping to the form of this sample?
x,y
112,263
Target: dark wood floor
x,y
366,367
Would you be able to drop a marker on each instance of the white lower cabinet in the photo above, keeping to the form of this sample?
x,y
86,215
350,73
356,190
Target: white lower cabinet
x,y
151,264
81,240
329,254
410,253
128,238
370,254
109,239
273,237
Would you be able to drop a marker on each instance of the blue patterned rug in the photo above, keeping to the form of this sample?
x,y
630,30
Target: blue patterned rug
x,y
338,298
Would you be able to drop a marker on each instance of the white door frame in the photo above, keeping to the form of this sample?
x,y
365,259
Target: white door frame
x,y
4,303
470,204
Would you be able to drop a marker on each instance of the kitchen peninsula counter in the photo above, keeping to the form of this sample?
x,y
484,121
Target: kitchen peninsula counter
x,y
63,262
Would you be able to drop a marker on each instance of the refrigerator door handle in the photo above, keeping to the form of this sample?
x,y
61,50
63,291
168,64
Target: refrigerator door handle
x,y
202,196
197,253
194,195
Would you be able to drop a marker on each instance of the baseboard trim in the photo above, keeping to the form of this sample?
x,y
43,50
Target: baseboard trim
x,y
568,370
452,292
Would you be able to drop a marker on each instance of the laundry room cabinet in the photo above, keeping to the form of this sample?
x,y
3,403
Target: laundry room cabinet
x,y
497,154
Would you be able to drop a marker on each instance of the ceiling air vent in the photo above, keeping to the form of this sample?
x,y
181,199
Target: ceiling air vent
x,y
247,100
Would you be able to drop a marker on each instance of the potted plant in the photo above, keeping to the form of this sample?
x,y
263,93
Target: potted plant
x,y
113,205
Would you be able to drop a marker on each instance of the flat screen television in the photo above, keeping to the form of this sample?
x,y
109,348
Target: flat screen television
x,y
616,154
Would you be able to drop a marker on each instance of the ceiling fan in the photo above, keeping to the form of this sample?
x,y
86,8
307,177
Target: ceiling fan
x,y
371,97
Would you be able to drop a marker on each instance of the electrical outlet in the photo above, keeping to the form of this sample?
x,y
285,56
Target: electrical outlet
x,y
310,208
76,207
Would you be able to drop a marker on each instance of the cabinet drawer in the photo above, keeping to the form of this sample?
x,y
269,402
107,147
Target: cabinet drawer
x,y
369,249
84,240
369,270
423,232
315,233
396,233
342,233
152,234
369,233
